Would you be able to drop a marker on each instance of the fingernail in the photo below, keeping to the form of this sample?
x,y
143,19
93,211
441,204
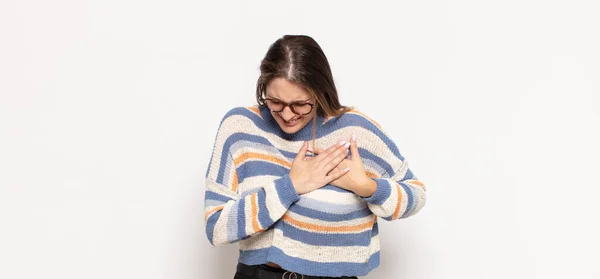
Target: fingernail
x,y
310,149
342,142
346,169
353,137
347,145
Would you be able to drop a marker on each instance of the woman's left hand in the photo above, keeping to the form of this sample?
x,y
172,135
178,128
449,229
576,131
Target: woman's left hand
x,y
356,179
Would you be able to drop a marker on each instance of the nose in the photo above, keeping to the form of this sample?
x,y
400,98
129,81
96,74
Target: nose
x,y
287,114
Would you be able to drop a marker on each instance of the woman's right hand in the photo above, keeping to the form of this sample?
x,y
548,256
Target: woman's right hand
x,y
308,174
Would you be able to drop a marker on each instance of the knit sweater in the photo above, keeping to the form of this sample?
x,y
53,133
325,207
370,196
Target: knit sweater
x,y
250,199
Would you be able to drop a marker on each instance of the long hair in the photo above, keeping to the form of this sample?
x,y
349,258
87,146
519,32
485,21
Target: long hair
x,y
300,60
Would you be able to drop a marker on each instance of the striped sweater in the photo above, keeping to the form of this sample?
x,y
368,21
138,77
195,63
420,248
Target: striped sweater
x,y
250,200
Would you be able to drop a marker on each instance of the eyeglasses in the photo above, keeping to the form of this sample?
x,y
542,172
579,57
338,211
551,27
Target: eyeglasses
x,y
298,107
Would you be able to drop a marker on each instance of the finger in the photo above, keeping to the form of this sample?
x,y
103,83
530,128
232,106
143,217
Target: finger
x,y
340,155
336,174
327,157
331,150
302,153
316,150
354,155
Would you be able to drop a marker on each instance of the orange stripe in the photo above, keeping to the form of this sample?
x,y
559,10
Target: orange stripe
x,y
321,228
211,211
416,182
254,109
255,225
234,185
397,212
253,155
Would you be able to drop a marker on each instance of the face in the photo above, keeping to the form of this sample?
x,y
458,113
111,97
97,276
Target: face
x,y
285,91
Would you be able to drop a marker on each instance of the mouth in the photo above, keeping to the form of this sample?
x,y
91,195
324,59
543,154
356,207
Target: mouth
x,y
291,123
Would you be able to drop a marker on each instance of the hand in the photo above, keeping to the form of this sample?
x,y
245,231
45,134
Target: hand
x,y
356,180
312,173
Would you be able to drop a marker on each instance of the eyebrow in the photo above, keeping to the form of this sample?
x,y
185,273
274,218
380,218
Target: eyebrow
x,y
269,96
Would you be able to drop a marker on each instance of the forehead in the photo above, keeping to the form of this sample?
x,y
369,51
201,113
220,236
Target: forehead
x,y
285,90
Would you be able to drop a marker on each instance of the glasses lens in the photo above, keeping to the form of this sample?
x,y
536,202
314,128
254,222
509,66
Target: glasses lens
x,y
274,105
302,108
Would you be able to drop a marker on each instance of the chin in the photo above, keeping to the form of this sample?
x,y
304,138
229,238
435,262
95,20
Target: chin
x,y
291,130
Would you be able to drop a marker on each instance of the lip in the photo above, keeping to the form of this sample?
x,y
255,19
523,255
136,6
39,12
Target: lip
x,y
291,124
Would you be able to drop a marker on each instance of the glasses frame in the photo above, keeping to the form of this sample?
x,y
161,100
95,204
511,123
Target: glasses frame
x,y
286,104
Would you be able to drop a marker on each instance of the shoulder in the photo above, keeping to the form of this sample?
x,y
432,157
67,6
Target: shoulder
x,y
242,112
371,135
239,115
355,118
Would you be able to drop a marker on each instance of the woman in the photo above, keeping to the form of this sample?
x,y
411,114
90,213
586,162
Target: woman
x,y
302,199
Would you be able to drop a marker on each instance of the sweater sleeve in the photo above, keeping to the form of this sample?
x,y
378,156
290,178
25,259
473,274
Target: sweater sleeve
x,y
399,193
231,216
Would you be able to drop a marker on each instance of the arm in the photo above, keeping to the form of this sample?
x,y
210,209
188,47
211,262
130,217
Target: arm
x,y
398,194
230,216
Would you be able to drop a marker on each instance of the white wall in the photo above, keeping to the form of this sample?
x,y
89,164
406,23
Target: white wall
x,y
108,112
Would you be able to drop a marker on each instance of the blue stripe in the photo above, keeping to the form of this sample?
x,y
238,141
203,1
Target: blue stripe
x,y
375,230
409,175
326,238
382,193
254,257
409,193
241,226
259,168
210,225
365,154
210,195
263,213
349,119
328,216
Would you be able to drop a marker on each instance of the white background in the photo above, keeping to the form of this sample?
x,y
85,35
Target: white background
x,y
108,112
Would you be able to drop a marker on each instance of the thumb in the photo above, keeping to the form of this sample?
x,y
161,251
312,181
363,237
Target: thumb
x,y
302,153
354,155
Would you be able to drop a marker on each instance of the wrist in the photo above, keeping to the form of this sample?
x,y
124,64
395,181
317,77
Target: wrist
x,y
366,188
297,183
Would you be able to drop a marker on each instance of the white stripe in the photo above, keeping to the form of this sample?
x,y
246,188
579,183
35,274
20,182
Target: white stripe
x,y
374,246
220,230
229,173
400,173
248,214
404,202
333,197
252,184
258,241
220,189
276,209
